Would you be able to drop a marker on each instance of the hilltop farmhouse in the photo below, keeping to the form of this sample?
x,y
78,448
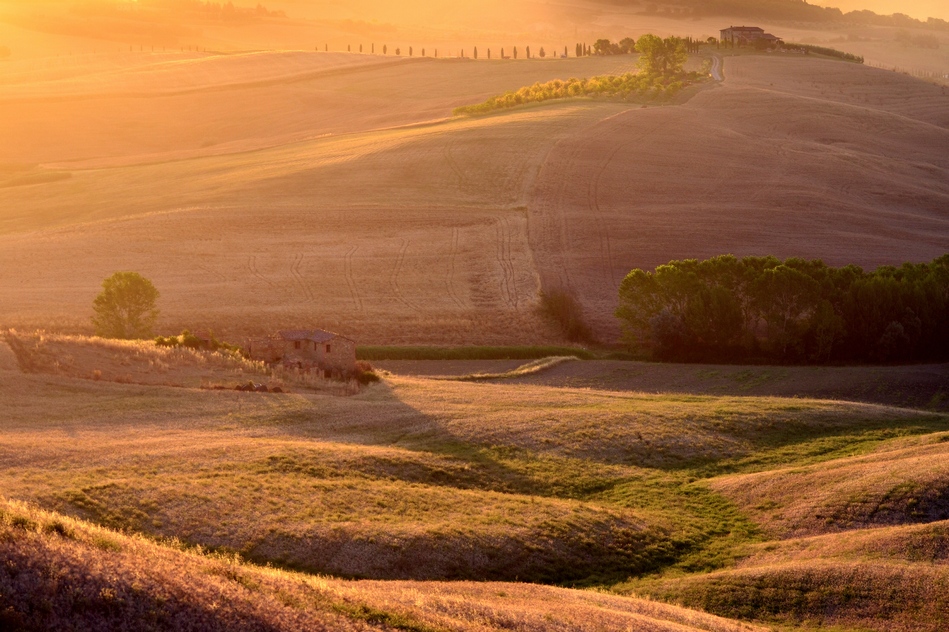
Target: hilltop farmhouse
x,y
747,35
306,349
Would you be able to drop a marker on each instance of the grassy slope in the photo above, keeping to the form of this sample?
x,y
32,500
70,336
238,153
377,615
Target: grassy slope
x,y
64,574
536,462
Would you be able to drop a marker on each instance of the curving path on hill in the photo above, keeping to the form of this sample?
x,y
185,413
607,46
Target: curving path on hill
x,y
716,69
792,158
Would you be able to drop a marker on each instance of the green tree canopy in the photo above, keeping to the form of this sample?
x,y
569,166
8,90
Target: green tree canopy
x,y
126,307
726,308
662,57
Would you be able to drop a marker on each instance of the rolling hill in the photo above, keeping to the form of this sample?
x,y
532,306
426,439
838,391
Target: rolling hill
x,y
429,230
432,480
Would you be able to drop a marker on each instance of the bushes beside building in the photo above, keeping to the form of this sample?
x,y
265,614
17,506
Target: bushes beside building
x,y
796,311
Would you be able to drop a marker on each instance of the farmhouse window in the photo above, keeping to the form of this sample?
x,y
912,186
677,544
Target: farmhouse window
x,y
327,348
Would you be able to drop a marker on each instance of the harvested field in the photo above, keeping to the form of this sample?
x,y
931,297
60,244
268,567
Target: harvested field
x,y
916,386
445,232
807,158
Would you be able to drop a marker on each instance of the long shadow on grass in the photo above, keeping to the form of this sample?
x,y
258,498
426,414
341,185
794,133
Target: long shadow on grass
x,y
574,542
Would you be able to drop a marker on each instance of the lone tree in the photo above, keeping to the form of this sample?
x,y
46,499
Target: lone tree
x,y
126,307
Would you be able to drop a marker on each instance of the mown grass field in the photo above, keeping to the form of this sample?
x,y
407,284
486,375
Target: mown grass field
x,y
429,480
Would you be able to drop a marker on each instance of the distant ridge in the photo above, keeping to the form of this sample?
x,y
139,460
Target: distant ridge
x,y
778,10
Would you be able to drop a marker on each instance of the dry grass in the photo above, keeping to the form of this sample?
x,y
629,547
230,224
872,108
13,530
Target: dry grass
x,y
87,577
863,595
531,368
131,362
427,479
914,386
897,486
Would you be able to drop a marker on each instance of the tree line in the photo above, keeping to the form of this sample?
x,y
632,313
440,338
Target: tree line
x,y
661,76
726,309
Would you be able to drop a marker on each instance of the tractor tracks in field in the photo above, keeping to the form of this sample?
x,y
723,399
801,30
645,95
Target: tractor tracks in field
x,y
394,276
453,164
296,272
452,258
255,272
351,278
505,260
593,189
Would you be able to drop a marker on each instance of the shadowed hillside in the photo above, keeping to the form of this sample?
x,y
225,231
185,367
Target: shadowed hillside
x,y
65,574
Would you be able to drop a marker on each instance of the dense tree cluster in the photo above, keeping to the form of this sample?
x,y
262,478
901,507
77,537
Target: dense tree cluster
x,y
661,57
762,308
606,47
661,76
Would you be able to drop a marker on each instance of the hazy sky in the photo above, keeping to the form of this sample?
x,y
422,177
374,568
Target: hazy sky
x,y
920,9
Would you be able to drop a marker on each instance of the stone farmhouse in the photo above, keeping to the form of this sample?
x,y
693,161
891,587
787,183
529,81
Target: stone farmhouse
x,y
306,349
747,35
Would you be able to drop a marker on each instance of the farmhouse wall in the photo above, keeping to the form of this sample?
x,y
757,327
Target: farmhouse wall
x,y
306,349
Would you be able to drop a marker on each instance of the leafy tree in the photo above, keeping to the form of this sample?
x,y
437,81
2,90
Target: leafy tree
x,y
385,49
126,307
661,57
527,52
603,47
627,45
515,52
475,52
542,53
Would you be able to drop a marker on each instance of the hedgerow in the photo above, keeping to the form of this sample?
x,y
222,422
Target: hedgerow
x,y
622,87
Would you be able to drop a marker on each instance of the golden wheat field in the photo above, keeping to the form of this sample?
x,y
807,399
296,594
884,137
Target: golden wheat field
x,y
264,188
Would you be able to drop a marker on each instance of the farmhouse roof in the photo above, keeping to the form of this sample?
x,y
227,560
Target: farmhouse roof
x,y
316,335
745,28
